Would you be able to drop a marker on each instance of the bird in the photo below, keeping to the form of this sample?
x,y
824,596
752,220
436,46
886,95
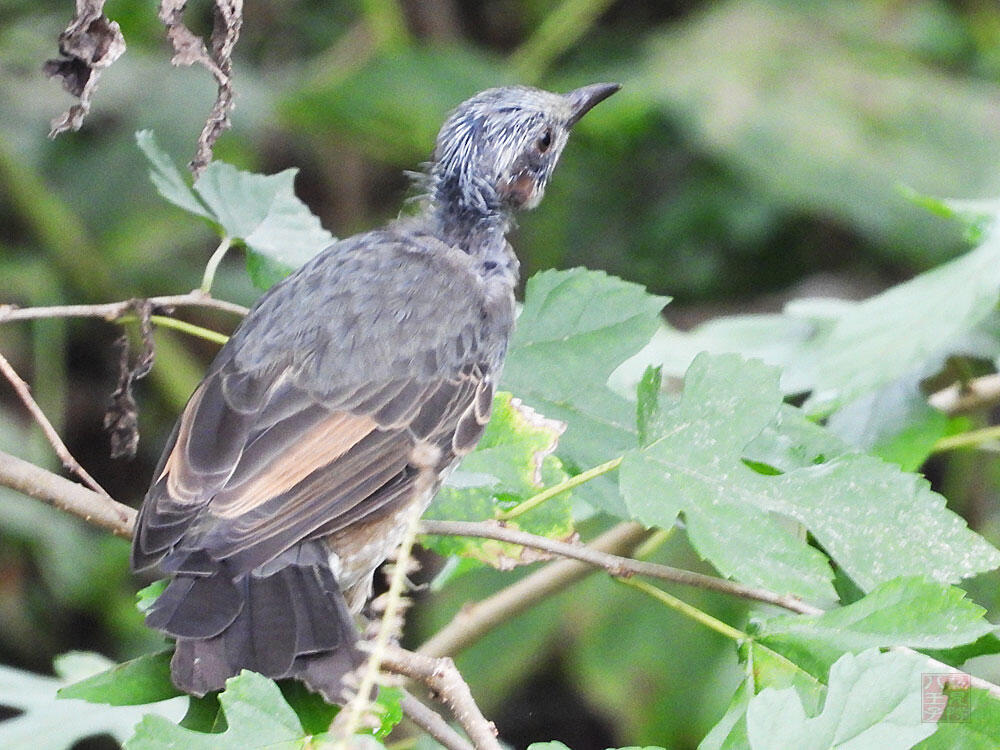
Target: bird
x,y
344,397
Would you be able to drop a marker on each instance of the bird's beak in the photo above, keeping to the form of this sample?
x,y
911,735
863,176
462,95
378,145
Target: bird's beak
x,y
584,99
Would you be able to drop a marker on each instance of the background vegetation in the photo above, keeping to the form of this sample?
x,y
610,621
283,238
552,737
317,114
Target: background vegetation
x,y
754,154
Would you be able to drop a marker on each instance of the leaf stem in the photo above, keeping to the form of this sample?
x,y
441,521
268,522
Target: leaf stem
x,y
213,264
686,609
557,489
970,439
190,328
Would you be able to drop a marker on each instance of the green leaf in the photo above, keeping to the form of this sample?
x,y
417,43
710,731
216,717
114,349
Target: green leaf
x,y
873,701
53,724
875,521
793,441
987,645
257,716
980,732
575,328
909,611
147,596
731,731
904,329
515,452
389,709
262,210
648,411
167,179
769,669
145,679
776,339
894,422
694,466
976,215
314,712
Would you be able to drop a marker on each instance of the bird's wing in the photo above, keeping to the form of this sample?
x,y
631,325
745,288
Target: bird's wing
x,y
262,459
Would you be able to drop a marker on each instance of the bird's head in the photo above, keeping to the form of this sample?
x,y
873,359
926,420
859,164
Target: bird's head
x,y
496,151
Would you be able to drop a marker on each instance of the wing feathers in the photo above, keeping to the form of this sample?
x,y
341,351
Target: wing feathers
x,y
257,468
262,480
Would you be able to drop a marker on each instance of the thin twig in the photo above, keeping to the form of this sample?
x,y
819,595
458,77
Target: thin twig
x,y
970,439
557,489
431,722
441,676
679,605
61,493
473,621
24,392
620,567
104,512
349,720
112,311
978,393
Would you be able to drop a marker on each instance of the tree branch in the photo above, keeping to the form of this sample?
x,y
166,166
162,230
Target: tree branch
x,y
473,621
466,628
24,392
112,311
61,493
102,511
431,722
620,567
978,393
443,679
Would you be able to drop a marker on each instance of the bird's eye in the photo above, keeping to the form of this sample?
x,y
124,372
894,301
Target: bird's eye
x,y
544,141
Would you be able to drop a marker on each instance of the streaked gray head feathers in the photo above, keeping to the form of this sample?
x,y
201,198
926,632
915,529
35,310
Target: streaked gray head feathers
x,y
496,151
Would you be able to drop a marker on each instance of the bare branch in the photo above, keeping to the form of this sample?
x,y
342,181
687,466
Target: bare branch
x,y
978,393
34,481
431,722
89,45
61,493
71,464
474,621
620,567
112,311
441,676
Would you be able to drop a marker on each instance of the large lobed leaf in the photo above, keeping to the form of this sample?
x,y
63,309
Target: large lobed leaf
x,y
862,357
45,722
873,701
910,611
512,462
576,327
877,522
262,211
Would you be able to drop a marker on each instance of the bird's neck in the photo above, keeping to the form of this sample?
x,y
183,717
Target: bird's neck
x,y
481,234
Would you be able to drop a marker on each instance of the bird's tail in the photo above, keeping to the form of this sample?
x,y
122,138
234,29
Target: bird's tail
x,y
286,619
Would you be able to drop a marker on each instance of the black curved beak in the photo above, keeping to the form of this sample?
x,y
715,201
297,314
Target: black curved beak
x,y
585,98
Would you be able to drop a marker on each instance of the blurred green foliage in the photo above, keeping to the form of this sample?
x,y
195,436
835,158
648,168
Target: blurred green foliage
x,y
757,147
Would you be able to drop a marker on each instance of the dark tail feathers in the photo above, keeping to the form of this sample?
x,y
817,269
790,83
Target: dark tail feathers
x,y
290,622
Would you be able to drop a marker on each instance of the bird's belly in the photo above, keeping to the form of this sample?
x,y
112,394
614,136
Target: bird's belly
x,y
357,550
